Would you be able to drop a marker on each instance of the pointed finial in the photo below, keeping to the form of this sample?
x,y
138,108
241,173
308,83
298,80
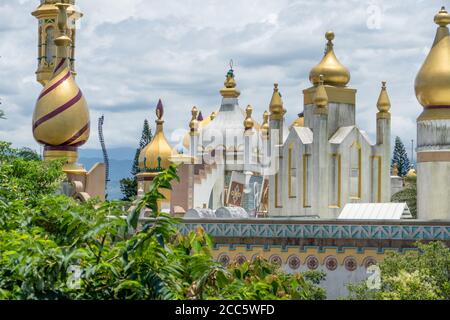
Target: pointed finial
x,y
383,104
230,90
159,110
213,115
442,18
276,103
248,122
265,124
193,125
320,97
200,116
329,35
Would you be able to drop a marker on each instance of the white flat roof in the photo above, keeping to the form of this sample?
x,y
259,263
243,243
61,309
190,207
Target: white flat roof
x,y
375,211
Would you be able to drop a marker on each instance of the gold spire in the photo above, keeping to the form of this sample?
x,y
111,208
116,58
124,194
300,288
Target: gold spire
x,y
320,97
383,104
230,91
248,122
334,73
276,104
61,116
265,125
155,156
432,83
193,125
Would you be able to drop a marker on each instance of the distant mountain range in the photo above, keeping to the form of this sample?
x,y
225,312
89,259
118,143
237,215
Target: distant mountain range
x,y
120,162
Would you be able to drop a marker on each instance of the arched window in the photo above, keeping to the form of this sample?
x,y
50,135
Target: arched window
x,y
49,44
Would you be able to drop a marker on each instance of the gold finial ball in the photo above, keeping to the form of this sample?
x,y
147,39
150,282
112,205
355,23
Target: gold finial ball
x,y
442,18
275,86
248,122
329,35
194,112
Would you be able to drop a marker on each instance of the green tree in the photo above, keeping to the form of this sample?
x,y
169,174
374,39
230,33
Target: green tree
x,y
44,237
2,115
128,186
400,157
408,195
422,274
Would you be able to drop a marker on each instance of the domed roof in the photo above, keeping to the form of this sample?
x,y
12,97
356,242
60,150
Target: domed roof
x,y
155,156
432,83
411,173
299,122
61,115
334,73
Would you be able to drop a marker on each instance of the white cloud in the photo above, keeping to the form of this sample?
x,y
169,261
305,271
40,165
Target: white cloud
x,y
130,53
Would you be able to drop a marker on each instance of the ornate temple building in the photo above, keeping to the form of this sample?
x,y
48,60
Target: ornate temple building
x,y
267,188
314,167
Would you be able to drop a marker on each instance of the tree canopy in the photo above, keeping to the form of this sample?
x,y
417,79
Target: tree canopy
x,y
52,247
422,274
400,157
128,186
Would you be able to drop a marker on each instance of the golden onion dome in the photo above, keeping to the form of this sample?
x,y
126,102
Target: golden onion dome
x,y
411,173
432,83
156,155
61,115
383,103
299,122
334,73
248,122
276,103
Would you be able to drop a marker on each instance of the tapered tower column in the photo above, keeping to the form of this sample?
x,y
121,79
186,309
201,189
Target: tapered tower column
x,y
383,190
433,127
194,136
276,141
320,152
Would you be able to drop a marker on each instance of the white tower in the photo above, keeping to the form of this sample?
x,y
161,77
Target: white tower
x,y
433,127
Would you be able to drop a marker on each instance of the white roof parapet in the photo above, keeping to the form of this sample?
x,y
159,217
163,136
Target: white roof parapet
x,y
375,211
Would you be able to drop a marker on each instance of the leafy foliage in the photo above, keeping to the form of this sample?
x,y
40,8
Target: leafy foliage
x,y
128,186
408,195
52,247
400,157
422,274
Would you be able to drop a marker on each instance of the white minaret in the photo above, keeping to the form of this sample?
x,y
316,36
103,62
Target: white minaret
x,y
320,152
432,87
382,192
276,141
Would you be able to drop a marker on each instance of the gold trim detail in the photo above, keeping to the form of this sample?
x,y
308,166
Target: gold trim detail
x,y
306,203
335,95
291,149
433,156
435,114
337,157
379,176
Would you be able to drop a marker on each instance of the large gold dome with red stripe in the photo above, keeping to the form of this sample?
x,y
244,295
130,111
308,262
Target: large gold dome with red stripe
x,y
61,116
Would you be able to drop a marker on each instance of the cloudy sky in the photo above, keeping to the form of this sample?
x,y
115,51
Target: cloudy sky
x,y
133,52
